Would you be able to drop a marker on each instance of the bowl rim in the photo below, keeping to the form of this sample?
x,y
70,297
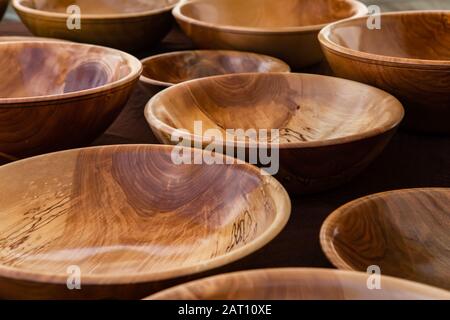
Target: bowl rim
x,y
154,121
303,272
20,7
282,215
361,10
328,44
326,230
134,64
155,82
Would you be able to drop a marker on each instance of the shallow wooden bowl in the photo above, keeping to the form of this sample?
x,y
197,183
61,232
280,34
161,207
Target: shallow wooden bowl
x,y
285,29
130,219
404,232
59,95
164,70
3,7
408,57
130,25
299,284
330,129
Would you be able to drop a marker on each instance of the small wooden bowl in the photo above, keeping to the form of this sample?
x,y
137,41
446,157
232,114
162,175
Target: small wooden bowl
x,y
129,220
285,29
130,25
60,95
3,7
404,232
164,70
299,284
319,118
408,57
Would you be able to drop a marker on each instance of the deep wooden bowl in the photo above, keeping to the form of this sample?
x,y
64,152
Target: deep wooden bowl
x,y
330,129
299,284
130,25
131,219
164,70
3,7
60,95
408,57
285,29
404,232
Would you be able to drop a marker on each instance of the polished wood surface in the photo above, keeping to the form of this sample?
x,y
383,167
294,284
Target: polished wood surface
x,y
3,6
164,70
319,118
299,284
408,57
404,232
138,218
126,25
60,95
284,29
25,38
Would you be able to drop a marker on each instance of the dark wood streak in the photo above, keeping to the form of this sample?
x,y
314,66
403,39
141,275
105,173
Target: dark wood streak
x,y
242,230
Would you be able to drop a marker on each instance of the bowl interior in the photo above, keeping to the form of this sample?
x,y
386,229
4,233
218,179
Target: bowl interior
x,y
304,108
129,210
268,13
403,232
34,69
183,66
421,35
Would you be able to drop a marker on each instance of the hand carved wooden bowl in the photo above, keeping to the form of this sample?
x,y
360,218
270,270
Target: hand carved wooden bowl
x,y
408,57
404,232
285,29
129,25
299,284
3,7
59,95
164,70
128,220
329,129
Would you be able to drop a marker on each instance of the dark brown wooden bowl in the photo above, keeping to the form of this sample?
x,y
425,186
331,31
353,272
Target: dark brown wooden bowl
x,y
60,95
408,57
404,232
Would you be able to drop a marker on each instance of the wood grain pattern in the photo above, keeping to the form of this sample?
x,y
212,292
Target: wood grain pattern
x,y
298,284
408,57
284,29
164,70
60,95
3,6
405,232
130,25
319,118
128,215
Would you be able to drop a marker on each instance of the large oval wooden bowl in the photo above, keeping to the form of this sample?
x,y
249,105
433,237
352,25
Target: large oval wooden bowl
x,y
404,232
129,25
131,219
285,29
298,284
3,7
330,129
58,95
408,57
164,70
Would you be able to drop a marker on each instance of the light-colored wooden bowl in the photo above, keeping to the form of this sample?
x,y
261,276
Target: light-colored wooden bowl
x,y
299,284
164,70
404,232
408,57
3,7
319,118
285,29
132,220
130,25
60,95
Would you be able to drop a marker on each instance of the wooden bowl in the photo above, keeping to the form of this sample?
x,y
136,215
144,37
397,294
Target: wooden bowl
x,y
298,284
404,232
130,25
408,57
285,29
60,95
130,219
318,118
164,70
3,7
